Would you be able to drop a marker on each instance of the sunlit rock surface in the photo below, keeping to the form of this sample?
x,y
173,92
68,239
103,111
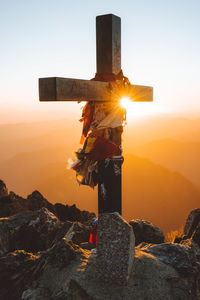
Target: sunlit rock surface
x,y
175,255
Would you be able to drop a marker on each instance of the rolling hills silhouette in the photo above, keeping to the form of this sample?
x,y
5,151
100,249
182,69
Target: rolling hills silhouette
x,y
150,191
183,157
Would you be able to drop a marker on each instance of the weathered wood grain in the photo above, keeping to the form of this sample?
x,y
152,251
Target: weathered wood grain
x,y
68,89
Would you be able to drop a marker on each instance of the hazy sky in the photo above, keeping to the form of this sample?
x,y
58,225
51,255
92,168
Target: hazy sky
x,y
39,38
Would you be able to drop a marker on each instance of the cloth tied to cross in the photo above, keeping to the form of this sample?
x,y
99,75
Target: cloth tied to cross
x,y
101,135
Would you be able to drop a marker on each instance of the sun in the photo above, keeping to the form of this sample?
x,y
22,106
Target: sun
x,y
140,109
125,102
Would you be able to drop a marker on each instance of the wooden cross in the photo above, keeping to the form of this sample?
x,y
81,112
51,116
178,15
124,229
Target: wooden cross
x,y
108,49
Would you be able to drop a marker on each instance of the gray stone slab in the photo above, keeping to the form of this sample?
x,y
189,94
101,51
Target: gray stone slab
x,y
115,248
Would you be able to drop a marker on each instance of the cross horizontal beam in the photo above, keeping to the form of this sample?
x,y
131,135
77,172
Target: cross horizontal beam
x,y
68,89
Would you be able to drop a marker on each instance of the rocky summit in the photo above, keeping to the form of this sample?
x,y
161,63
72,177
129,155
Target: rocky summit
x,y
42,255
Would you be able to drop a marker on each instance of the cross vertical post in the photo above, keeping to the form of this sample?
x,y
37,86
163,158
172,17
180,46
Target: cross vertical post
x,y
108,48
108,44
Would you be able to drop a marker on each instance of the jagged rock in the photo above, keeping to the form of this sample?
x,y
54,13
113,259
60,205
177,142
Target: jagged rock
x,y
78,233
150,278
191,228
3,189
59,232
196,236
38,230
153,279
192,222
20,269
115,248
145,231
75,291
12,204
176,255
37,201
29,230
72,213
64,271
59,255
17,270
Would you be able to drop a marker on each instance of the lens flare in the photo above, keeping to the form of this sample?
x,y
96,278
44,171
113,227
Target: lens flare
x,y
125,102
140,109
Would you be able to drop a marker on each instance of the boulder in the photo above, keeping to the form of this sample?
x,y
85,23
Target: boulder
x,y
11,204
196,236
72,213
156,277
175,255
16,272
191,228
3,189
153,276
78,233
115,248
115,270
145,231
30,230
60,255
20,270
65,271
38,230
36,201
192,222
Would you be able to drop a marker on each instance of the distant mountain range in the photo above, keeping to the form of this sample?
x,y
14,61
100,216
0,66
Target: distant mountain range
x,y
150,191
183,157
35,156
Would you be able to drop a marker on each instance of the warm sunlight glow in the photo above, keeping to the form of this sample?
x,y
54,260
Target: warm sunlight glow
x,y
125,102
137,110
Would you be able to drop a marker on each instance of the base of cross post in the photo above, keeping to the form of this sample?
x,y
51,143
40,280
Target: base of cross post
x,y
109,187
